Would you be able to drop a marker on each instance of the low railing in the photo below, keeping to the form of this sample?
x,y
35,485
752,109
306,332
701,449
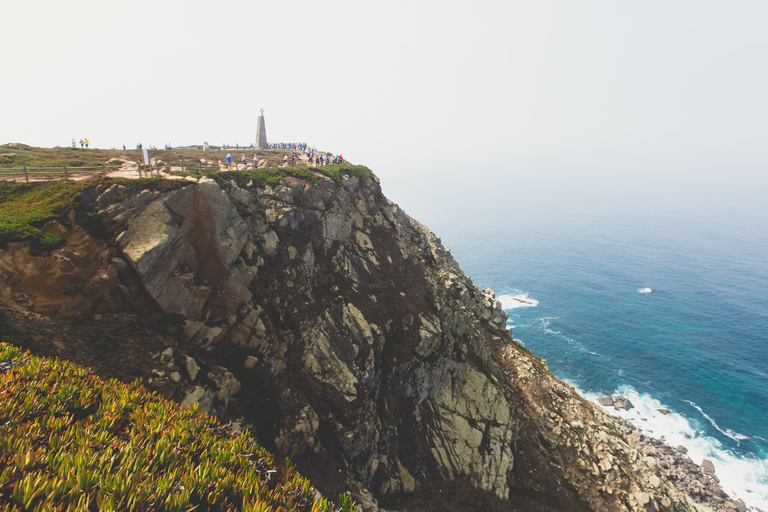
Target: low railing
x,y
69,172
193,165
198,166
52,172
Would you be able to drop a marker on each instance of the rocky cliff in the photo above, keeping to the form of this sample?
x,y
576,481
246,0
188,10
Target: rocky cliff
x,y
342,330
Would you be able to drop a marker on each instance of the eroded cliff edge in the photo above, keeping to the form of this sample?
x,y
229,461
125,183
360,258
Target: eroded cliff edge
x,y
342,330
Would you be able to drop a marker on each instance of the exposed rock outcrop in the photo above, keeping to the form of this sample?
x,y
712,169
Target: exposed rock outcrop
x,y
350,339
180,244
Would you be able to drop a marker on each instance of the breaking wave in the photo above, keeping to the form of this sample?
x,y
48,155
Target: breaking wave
x,y
727,432
742,477
518,300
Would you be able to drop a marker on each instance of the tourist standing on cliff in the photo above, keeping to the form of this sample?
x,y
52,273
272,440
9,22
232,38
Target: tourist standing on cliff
x,y
229,162
255,161
245,162
86,143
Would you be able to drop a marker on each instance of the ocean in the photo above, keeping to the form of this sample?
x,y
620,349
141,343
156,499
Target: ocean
x,y
658,298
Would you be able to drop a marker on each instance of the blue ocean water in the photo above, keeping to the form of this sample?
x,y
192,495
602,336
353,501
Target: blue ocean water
x,y
667,305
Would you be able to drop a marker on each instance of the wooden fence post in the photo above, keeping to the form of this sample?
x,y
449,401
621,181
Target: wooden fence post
x,y
182,165
26,176
102,170
65,173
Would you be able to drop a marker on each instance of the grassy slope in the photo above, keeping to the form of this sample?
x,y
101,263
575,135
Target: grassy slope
x,y
70,439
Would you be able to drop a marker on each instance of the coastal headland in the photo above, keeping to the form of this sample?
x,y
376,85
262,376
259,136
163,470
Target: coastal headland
x,y
300,302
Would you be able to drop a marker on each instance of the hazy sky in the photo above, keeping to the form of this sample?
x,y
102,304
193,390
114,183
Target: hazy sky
x,y
438,98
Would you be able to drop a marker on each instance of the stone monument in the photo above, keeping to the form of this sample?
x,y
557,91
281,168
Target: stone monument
x,y
261,133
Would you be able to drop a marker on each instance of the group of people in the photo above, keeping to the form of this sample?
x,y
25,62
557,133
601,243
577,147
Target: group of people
x,y
83,143
321,159
244,161
313,159
296,146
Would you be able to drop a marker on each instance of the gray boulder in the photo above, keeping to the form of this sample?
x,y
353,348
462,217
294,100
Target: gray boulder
x,y
183,243
708,467
110,195
622,403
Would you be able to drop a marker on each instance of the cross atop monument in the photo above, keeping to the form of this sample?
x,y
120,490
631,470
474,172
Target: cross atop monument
x,y
261,132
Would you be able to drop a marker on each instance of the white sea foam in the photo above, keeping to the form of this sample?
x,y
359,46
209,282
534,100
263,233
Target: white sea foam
x,y
517,300
644,290
558,334
727,432
741,477
544,322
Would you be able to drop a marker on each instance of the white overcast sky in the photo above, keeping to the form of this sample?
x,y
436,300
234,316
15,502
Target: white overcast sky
x,y
512,91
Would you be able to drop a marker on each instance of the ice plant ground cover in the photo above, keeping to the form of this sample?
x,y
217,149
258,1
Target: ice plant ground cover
x,y
70,440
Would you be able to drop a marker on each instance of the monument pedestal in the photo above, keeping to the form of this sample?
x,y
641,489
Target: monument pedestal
x,y
261,132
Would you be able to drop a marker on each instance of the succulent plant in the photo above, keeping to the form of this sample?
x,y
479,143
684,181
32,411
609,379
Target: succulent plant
x,y
70,440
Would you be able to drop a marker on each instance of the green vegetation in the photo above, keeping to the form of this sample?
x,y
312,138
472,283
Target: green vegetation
x,y
273,175
241,209
18,155
69,440
26,207
261,177
335,171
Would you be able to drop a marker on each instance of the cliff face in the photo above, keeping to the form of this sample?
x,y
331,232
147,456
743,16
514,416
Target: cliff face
x,y
343,331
